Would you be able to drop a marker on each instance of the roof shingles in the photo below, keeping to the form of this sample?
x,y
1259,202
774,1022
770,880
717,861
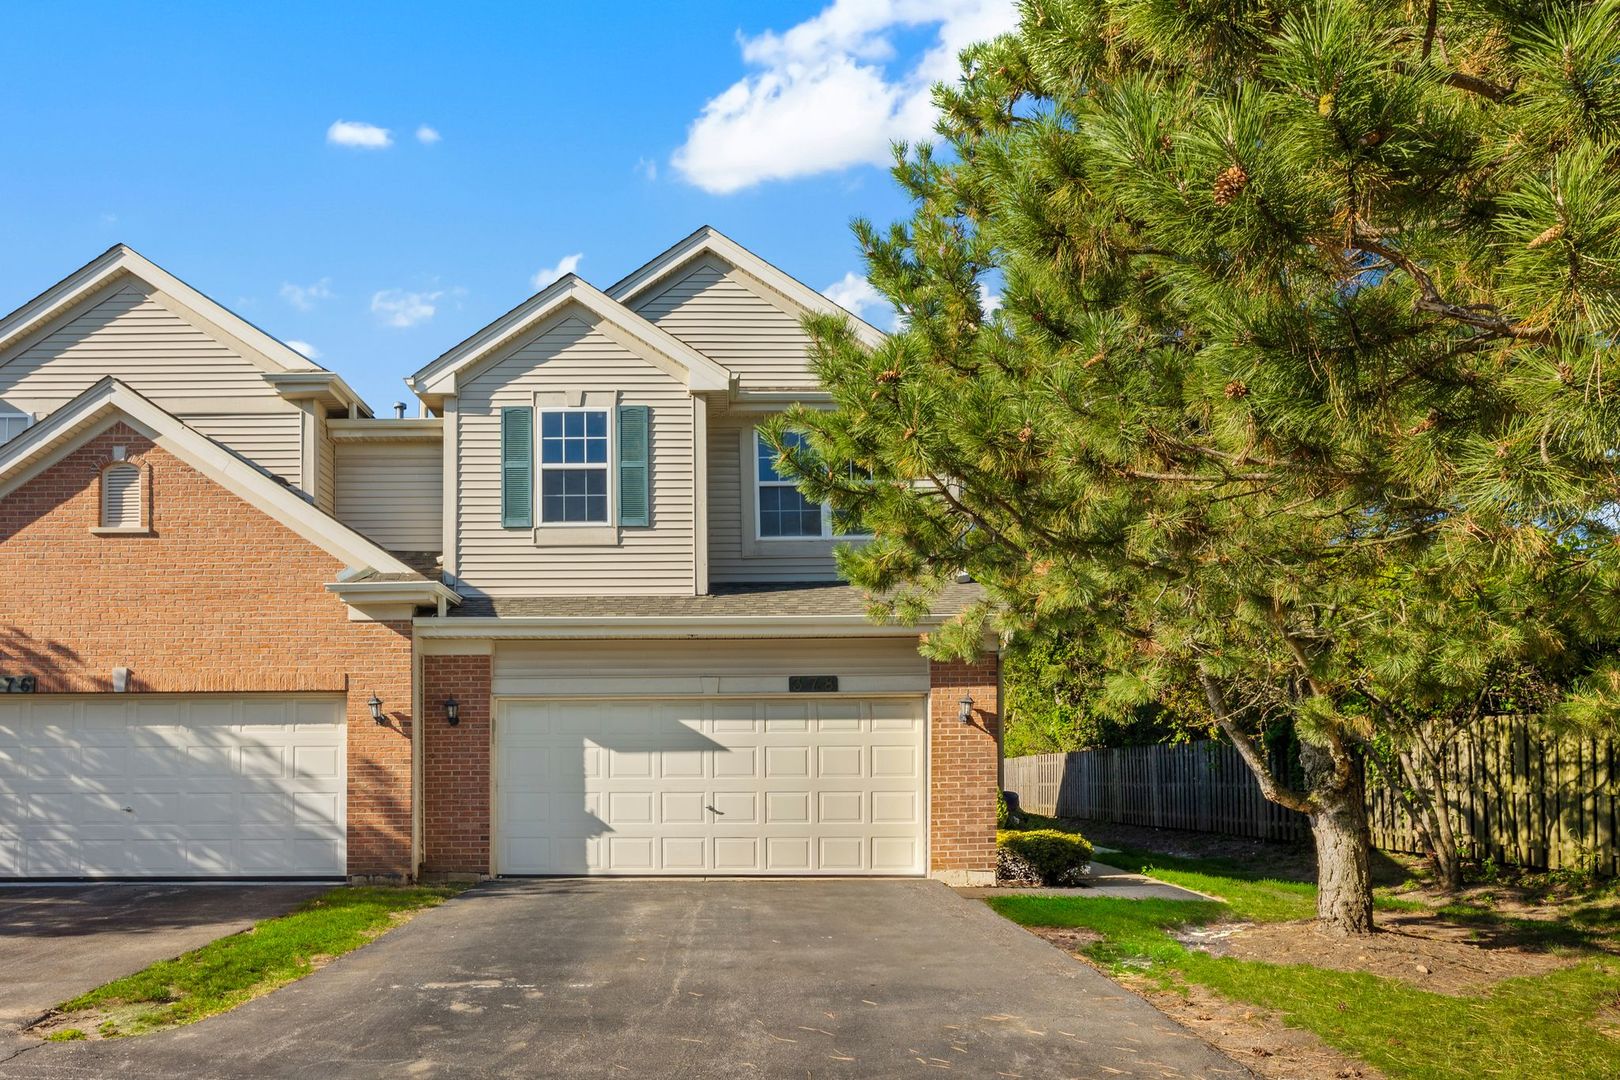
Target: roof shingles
x,y
801,598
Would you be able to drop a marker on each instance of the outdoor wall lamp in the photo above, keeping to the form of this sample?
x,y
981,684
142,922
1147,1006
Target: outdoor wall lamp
x,y
452,711
964,709
375,705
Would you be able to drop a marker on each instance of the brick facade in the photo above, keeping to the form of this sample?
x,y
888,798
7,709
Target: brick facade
x,y
964,767
455,767
216,597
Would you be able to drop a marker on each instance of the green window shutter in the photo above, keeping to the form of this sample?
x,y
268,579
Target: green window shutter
x,y
634,503
517,468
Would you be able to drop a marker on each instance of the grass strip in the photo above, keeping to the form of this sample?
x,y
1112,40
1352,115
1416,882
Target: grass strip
x,y
223,974
1545,1025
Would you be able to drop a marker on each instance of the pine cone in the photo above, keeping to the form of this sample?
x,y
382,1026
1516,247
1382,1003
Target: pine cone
x,y
1026,434
1547,237
1236,390
1230,184
890,376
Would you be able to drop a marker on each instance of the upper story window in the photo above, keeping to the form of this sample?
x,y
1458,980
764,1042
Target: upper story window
x,y
121,496
785,514
13,425
574,467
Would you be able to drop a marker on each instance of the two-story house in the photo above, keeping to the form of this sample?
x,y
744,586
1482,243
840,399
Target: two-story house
x,y
569,620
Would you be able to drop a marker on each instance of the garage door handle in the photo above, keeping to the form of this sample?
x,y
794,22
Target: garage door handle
x,y
720,812
129,809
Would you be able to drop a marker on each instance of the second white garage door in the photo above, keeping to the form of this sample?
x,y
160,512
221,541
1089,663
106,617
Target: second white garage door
x,y
760,786
157,785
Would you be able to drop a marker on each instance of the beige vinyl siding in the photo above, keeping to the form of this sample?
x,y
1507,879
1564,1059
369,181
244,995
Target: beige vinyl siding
x,y
393,492
723,314
140,337
728,473
272,441
571,353
863,665
325,469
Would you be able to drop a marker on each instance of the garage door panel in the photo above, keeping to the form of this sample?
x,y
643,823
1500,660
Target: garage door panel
x,y
787,808
735,807
894,854
758,786
681,808
842,854
787,761
153,785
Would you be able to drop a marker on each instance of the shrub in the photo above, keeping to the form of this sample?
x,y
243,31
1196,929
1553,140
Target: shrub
x,y
1041,857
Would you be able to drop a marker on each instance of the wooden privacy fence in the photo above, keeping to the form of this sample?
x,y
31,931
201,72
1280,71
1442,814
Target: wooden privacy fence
x,y
1519,794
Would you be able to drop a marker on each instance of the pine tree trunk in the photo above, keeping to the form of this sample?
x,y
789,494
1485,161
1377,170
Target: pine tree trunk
x,y
1343,844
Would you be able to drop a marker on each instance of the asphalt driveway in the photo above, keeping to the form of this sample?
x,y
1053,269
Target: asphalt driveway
x,y
57,941
704,979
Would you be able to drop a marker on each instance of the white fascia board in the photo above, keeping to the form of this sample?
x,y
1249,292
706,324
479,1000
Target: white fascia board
x,y
710,239
419,428
437,378
122,259
393,592
666,626
110,398
327,386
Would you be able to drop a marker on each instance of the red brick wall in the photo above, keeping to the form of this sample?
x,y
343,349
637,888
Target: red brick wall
x,y
218,596
455,766
963,761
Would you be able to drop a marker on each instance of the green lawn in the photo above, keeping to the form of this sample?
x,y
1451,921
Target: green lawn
x,y
223,974
1530,1027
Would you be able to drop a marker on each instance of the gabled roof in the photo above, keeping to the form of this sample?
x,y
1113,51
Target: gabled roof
x,y
289,370
110,401
439,377
709,240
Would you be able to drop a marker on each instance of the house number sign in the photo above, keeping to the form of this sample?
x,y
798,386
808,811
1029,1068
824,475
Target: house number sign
x,y
17,684
812,684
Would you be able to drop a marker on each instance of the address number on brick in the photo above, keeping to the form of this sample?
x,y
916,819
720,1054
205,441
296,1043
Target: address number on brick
x,y
17,684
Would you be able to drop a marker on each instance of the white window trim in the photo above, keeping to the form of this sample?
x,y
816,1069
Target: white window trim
x,y
143,524
610,467
827,537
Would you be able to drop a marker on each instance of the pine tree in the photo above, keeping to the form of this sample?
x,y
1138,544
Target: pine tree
x,y
1301,391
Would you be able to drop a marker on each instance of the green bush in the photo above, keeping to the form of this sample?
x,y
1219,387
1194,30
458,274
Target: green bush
x,y
1041,857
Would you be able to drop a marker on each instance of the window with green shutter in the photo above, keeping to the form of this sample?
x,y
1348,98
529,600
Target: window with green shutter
x,y
517,468
635,505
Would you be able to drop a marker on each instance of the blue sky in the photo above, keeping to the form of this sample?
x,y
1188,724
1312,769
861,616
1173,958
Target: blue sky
x,y
375,182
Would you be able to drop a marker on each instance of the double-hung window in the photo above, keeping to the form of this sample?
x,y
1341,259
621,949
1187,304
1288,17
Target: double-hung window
x,y
574,467
785,514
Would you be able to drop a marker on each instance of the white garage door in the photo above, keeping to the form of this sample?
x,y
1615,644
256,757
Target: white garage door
x,y
766,786
171,786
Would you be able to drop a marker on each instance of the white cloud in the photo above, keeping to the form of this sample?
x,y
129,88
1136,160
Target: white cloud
x,y
854,294
647,168
304,349
427,136
565,265
823,97
359,135
397,307
989,301
305,297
